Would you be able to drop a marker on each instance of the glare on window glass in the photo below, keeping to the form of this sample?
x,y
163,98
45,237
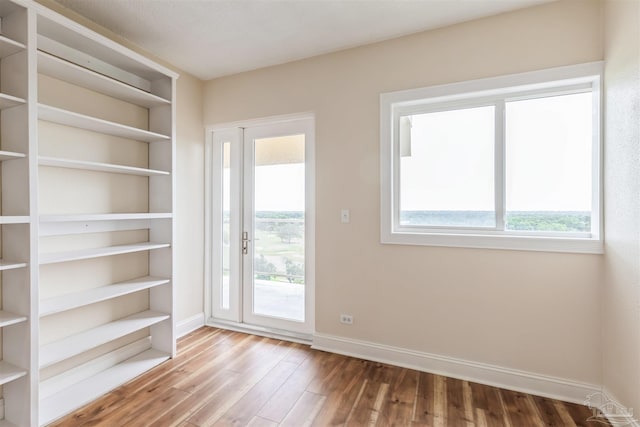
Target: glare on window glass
x,y
226,225
549,164
447,168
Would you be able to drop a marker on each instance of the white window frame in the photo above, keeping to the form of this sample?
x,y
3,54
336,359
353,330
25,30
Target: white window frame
x,y
490,91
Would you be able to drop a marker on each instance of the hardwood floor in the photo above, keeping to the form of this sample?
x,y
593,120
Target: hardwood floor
x,y
224,378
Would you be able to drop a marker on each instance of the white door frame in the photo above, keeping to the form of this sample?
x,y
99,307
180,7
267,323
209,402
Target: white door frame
x,y
213,233
233,317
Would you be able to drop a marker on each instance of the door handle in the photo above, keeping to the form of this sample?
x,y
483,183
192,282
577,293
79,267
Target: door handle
x,y
245,243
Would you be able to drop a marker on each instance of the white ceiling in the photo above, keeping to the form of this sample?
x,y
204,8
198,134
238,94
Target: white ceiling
x,y
213,38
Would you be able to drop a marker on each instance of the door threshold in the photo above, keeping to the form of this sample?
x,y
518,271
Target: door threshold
x,y
262,331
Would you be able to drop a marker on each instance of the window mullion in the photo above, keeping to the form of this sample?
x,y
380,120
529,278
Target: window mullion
x,y
499,166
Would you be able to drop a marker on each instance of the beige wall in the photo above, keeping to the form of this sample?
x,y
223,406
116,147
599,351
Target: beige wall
x,y
189,247
537,312
621,290
189,274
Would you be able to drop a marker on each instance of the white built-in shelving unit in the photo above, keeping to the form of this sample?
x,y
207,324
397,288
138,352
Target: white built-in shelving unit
x,y
87,161
17,209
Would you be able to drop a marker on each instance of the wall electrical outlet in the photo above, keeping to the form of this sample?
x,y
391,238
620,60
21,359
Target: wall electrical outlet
x,y
347,319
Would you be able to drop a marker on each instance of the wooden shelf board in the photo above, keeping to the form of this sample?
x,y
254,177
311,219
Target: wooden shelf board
x,y
7,318
9,372
10,155
9,47
14,219
69,118
8,101
76,344
10,265
52,258
64,70
83,392
99,167
79,299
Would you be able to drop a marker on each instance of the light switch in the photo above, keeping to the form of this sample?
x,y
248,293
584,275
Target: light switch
x,y
344,216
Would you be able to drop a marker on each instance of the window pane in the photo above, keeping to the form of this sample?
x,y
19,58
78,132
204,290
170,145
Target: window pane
x,y
279,202
447,168
226,229
548,164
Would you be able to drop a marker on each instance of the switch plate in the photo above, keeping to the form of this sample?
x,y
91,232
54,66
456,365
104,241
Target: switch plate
x,y
345,216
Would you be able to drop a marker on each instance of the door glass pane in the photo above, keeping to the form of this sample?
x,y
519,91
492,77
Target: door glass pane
x,y
226,221
279,208
549,164
447,168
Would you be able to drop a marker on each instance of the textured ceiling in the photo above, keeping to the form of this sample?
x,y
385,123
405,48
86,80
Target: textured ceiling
x,y
213,38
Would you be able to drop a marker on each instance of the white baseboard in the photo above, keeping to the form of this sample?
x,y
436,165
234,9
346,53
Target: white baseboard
x,y
511,379
278,334
189,324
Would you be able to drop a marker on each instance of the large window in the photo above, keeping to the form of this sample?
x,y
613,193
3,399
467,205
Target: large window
x,y
511,162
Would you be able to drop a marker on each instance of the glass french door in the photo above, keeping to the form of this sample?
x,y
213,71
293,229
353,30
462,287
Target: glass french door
x,y
261,226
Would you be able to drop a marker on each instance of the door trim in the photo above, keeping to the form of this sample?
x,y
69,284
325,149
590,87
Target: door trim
x,y
261,331
310,215
258,122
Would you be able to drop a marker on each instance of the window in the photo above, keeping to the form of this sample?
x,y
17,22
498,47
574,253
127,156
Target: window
x,y
511,162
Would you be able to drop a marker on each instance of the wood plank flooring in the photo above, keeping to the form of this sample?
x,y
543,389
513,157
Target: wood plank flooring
x,y
224,378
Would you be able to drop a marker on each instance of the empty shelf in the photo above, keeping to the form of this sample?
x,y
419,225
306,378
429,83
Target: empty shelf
x,y
9,47
52,258
8,101
99,167
9,372
76,344
91,296
10,265
103,217
93,387
69,118
14,219
80,76
10,155
7,318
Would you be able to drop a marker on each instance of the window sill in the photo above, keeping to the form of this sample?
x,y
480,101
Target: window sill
x,y
507,242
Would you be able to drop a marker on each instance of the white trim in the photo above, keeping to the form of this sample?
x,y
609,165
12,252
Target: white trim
x,y
494,91
262,331
208,226
189,324
298,121
213,220
529,81
262,121
287,125
485,241
497,376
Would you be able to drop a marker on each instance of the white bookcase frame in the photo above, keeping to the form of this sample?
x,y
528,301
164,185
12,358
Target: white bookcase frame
x,y
35,40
